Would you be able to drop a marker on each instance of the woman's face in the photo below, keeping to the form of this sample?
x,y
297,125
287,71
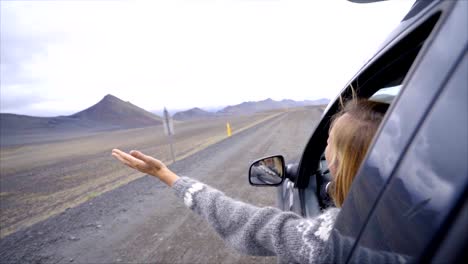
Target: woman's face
x,y
329,154
329,151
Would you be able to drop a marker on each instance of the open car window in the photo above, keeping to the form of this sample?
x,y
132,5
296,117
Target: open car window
x,y
382,79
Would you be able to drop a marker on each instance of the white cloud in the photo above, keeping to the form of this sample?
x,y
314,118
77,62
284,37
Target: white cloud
x,y
187,53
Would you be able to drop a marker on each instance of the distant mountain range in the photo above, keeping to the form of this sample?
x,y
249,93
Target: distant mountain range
x,y
108,114
112,113
268,104
247,108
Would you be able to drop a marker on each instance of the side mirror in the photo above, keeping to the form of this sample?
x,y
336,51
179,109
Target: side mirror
x,y
267,171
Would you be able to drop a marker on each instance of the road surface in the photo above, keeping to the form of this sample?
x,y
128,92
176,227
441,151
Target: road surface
x,y
144,222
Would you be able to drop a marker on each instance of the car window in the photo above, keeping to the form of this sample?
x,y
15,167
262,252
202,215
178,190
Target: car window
x,y
387,69
380,81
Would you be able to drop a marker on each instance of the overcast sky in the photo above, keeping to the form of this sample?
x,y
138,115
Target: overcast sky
x,y
60,57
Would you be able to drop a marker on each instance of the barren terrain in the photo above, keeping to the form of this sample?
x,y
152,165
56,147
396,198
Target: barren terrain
x,y
70,201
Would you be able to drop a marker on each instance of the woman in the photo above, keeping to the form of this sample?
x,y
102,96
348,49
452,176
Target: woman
x,y
270,231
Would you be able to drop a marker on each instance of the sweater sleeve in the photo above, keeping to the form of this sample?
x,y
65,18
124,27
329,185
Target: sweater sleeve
x,y
258,231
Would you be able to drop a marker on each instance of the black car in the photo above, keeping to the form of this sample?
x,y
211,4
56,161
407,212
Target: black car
x,y
409,196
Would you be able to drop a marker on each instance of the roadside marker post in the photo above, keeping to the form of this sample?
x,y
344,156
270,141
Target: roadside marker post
x,y
228,129
169,130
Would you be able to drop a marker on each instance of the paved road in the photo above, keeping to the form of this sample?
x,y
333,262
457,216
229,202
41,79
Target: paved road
x,y
143,221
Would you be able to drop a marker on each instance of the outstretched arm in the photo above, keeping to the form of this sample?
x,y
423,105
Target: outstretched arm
x,y
249,229
258,231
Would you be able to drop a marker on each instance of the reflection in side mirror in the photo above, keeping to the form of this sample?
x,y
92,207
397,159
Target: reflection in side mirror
x,y
267,171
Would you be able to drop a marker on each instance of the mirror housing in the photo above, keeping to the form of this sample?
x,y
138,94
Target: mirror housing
x,y
292,170
268,171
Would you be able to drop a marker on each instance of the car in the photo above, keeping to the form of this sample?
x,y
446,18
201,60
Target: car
x,y
409,197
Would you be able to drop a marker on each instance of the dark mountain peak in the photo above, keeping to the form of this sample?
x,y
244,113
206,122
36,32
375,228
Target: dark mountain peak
x,y
111,98
110,103
116,112
108,114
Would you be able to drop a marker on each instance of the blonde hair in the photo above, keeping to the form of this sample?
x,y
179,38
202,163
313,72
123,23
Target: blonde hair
x,y
351,139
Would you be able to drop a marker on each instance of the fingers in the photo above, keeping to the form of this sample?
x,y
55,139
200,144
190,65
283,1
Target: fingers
x,y
120,155
137,154
155,163
122,160
127,159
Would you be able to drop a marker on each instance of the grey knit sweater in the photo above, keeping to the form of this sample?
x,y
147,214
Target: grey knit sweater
x,y
259,231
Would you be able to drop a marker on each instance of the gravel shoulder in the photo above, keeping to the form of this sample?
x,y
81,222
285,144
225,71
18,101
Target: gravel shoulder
x,y
144,222
41,180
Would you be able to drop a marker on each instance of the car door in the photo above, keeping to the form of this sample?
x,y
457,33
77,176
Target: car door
x,y
381,212
427,187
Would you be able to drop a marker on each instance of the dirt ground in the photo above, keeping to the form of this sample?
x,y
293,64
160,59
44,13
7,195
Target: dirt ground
x,y
73,203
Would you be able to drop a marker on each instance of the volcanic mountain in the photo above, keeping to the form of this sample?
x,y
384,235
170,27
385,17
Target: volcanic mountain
x,y
108,114
111,111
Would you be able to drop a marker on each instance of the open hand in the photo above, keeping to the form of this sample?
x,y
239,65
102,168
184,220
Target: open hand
x,y
146,164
